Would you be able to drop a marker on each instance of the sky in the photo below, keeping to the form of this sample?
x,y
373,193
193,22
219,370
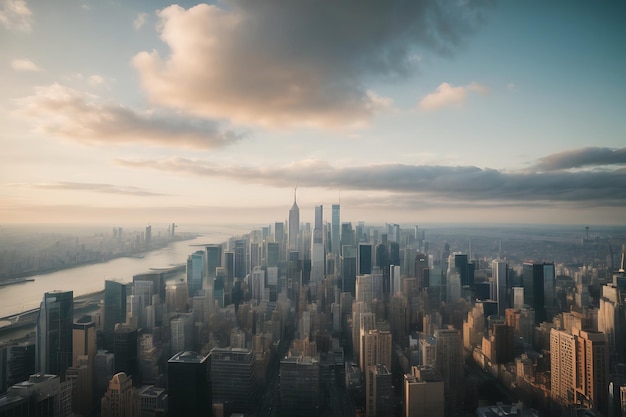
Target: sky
x,y
407,111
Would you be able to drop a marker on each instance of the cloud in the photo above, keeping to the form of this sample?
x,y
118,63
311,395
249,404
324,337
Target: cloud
x,y
447,95
63,112
466,183
140,20
24,65
101,188
276,63
15,15
581,158
96,79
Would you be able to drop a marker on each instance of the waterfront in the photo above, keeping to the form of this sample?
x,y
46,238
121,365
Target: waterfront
x,y
88,279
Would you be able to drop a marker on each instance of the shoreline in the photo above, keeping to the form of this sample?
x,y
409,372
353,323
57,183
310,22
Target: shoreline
x,y
28,274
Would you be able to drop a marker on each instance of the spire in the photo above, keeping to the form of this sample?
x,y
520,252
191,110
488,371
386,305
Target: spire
x,y
295,205
622,265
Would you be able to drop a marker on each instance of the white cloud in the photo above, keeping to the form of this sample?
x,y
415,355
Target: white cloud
x,y
15,15
511,87
25,65
70,114
258,63
140,20
448,95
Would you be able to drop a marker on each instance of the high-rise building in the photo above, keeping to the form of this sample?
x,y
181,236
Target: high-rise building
x,y
272,254
119,400
54,333
539,284
376,348
233,378
318,252
114,304
279,232
256,284
21,362
348,269
188,384
181,333
421,271
241,266
213,259
423,393
562,365
294,225
125,350
347,235
84,341
40,395
195,272
364,259
395,278
592,369
499,272
336,230
450,363
299,386
378,392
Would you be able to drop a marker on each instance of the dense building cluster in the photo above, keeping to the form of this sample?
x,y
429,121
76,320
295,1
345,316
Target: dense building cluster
x,y
331,319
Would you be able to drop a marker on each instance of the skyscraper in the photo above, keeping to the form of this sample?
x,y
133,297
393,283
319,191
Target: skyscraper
x,y
378,392
450,363
421,271
499,273
213,259
114,304
54,333
188,382
195,272
233,378
294,225
299,386
364,259
317,251
539,282
125,350
336,230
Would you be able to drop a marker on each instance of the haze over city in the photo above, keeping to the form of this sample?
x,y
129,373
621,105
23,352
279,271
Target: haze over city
x,y
472,111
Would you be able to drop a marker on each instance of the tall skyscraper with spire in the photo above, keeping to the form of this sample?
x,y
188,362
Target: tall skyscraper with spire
x,y
294,223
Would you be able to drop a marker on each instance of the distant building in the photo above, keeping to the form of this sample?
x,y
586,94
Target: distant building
x,y
539,287
294,225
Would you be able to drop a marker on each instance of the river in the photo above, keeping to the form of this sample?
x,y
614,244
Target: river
x,y
90,278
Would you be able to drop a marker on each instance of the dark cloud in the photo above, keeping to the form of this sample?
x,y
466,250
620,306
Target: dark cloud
x,y
581,158
70,114
466,183
297,62
101,188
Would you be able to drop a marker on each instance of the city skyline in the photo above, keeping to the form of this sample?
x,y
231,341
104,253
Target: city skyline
x,y
469,112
